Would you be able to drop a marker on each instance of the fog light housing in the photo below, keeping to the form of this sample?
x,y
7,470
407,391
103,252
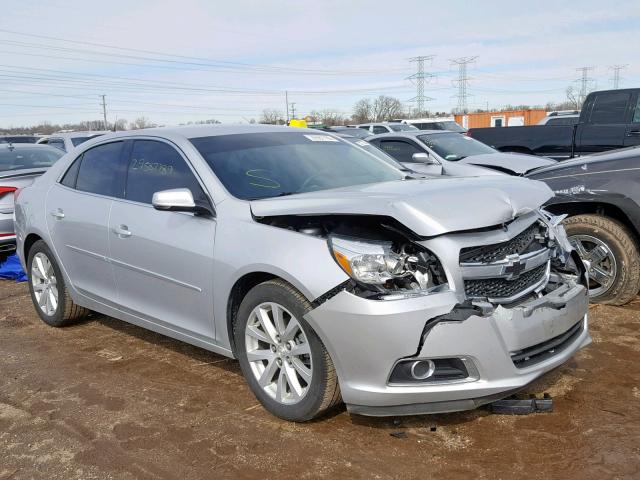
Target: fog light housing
x,y
414,371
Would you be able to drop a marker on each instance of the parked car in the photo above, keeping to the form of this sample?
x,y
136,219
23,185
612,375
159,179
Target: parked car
x,y
352,131
567,117
67,141
436,123
325,271
20,165
442,147
386,127
601,196
609,119
18,138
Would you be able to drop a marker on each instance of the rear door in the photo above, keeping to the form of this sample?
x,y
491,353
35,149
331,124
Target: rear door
x,y
606,121
632,136
78,217
163,261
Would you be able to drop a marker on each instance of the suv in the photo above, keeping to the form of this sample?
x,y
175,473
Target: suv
x,y
327,272
67,141
565,117
389,127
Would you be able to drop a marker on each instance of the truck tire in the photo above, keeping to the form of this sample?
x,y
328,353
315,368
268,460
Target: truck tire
x,y
612,250
48,289
283,360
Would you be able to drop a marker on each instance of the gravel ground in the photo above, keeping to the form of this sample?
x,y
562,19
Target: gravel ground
x,y
104,399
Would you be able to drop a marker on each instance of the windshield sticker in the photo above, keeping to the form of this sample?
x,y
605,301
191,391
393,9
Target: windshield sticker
x,y
321,138
362,143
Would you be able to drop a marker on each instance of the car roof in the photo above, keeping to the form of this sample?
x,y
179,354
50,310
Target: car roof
x,y
412,133
88,133
197,131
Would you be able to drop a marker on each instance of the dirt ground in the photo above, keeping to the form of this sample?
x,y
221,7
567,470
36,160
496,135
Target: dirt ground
x,y
104,399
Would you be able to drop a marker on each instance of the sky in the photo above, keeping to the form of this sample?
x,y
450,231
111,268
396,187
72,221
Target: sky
x,y
175,62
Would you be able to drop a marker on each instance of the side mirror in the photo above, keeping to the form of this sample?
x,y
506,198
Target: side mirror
x,y
178,200
424,158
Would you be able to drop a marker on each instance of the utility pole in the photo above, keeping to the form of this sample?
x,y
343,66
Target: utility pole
x,y
462,82
104,111
286,100
616,74
585,81
293,109
418,79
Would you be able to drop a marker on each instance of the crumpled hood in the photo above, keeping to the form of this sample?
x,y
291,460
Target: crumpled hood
x,y
517,163
427,207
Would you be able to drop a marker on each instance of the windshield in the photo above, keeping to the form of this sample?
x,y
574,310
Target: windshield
x,y
19,139
353,131
253,166
30,157
401,127
453,146
78,140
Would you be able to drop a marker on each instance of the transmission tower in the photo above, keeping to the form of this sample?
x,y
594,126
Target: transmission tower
x,y
463,81
616,74
585,81
418,79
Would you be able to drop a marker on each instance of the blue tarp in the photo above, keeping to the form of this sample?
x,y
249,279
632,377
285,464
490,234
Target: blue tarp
x,y
11,269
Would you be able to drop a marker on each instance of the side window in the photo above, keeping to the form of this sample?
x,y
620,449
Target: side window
x,y
155,166
100,170
401,151
610,107
69,179
636,112
58,143
379,129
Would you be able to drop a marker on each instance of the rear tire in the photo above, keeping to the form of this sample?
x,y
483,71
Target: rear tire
x,y
285,363
595,236
48,290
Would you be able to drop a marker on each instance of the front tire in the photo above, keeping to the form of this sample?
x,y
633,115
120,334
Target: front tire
x,y
283,360
612,251
48,290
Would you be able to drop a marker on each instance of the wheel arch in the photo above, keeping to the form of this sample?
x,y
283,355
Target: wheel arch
x,y
597,208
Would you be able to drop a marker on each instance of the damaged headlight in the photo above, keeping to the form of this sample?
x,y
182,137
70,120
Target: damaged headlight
x,y
378,263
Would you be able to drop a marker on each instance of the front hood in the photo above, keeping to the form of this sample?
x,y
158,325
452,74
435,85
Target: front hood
x,y
427,207
517,163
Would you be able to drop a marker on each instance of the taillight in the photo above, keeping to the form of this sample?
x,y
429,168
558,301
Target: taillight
x,y
5,190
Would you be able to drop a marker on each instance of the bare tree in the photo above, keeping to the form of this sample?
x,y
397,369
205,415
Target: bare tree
x,y
120,124
574,98
386,108
328,117
362,111
272,117
141,122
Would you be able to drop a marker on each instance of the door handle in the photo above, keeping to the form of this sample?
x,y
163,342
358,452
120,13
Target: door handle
x,y
122,231
58,214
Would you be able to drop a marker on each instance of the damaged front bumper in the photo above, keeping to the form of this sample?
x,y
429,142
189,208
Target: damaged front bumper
x,y
502,348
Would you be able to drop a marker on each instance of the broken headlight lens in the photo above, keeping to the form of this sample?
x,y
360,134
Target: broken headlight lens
x,y
376,263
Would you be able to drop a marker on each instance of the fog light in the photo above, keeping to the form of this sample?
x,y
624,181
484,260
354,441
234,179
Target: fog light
x,y
422,369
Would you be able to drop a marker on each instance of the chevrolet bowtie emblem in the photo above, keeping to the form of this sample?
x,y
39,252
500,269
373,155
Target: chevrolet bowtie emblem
x,y
514,267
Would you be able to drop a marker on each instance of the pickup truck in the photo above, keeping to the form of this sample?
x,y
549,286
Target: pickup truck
x,y
609,119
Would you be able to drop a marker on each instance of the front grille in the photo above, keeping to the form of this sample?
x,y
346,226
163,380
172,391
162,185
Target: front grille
x,y
500,288
542,351
524,242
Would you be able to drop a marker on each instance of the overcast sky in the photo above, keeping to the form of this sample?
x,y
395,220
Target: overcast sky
x,y
197,59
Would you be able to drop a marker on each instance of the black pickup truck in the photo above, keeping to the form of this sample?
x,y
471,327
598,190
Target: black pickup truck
x,y
609,119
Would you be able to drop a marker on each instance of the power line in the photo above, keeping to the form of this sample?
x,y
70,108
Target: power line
x,y
418,79
585,82
616,74
463,81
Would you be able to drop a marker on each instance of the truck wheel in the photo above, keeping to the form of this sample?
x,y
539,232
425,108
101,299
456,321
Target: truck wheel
x,y
283,360
612,252
48,290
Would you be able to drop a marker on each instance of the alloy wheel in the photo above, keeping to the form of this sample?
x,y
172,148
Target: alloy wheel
x,y
602,266
278,353
44,283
